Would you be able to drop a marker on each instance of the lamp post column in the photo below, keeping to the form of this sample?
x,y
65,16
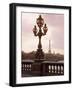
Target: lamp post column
x,y
37,65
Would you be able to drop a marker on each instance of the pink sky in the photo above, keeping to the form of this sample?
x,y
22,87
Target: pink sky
x,y
55,33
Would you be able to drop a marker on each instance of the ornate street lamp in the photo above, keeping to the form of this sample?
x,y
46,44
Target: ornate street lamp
x,y
40,22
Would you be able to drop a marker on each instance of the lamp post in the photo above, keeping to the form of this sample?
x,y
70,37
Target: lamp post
x,y
41,32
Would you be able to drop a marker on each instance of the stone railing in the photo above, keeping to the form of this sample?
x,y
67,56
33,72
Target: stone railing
x,y
55,68
46,68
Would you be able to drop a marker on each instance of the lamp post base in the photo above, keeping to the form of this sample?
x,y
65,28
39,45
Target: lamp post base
x,y
39,54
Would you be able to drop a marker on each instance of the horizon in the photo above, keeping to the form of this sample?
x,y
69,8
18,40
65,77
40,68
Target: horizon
x,y
44,52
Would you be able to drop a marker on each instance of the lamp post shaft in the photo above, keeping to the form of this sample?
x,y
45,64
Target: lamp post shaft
x,y
39,35
39,45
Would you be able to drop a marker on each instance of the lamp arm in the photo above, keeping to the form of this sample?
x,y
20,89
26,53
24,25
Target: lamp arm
x,y
35,34
43,34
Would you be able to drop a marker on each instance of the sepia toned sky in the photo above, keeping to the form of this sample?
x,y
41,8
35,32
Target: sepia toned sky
x,y
55,33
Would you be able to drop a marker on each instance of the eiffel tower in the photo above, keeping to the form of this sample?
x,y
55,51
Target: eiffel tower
x,y
49,47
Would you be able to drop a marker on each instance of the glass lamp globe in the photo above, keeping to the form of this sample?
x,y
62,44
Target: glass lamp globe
x,y
35,30
45,29
40,21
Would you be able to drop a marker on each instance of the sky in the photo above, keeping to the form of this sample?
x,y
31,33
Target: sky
x,y
55,33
